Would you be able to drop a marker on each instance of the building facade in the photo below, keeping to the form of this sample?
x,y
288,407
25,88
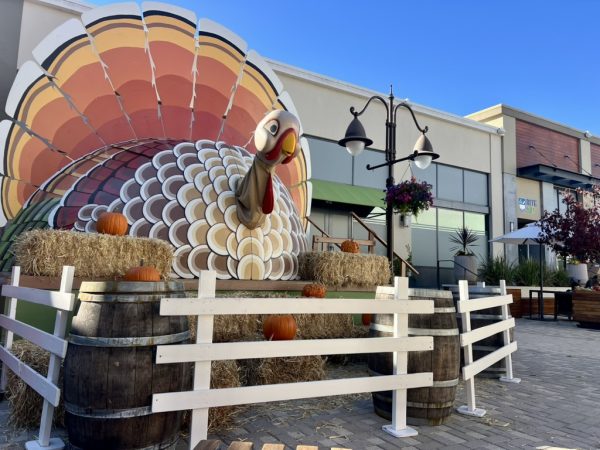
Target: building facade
x,y
471,181
542,160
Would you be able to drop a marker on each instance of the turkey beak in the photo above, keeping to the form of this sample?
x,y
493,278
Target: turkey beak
x,y
289,143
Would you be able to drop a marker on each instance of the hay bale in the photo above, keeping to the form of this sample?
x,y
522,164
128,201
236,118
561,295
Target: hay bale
x,y
283,370
235,328
344,269
45,252
224,374
26,404
324,326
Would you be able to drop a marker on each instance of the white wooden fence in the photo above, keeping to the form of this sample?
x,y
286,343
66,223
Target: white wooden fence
x,y
468,337
63,301
204,351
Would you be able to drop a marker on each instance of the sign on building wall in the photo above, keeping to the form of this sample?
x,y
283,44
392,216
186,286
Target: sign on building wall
x,y
528,204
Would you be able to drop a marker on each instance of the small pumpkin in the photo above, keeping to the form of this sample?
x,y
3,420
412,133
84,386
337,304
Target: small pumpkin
x,y
317,290
142,273
280,328
366,319
350,246
113,223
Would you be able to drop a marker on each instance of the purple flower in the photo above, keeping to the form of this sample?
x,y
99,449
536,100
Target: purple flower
x,y
409,196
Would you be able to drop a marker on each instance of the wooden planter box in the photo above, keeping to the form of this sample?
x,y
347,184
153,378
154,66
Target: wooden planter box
x,y
516,307
586,308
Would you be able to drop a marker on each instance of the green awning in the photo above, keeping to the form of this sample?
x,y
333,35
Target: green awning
x,y
346,193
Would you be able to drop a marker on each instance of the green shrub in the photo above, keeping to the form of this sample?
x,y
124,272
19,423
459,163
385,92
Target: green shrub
x,y
560,277
495,269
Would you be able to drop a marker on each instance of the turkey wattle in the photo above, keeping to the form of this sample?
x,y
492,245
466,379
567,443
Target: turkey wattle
x,y
151,113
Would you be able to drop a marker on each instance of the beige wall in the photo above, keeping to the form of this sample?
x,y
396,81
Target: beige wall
x,y
585,156
324,111
38,20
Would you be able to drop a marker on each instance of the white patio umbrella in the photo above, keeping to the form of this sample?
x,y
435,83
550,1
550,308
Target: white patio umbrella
x,y
528,235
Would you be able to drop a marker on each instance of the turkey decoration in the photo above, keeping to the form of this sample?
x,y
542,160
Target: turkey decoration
x,y
137,110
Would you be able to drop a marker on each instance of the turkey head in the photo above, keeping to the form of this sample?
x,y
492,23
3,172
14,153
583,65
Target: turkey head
x,y
276,141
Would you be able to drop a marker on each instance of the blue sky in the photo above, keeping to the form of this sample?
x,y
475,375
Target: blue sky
x,y
458,56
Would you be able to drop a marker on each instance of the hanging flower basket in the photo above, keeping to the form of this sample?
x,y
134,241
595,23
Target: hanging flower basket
x,y
409,197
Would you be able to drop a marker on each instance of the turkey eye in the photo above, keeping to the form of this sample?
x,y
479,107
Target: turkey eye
x,y
273,127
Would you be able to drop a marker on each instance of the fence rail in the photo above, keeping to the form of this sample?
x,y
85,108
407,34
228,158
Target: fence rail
x,y
468,337
204,351
63,301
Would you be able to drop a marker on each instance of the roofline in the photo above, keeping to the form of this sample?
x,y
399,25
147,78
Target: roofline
x,y
78,6
506,110
344,86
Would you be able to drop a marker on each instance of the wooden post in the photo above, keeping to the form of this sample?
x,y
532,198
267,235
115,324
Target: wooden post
x,y
509,378
471,408
60,327
398,426
204,334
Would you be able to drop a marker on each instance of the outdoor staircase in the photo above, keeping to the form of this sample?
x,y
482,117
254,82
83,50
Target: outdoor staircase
x,y
325,240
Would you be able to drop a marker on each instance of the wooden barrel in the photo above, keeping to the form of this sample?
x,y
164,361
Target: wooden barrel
x,y
110,372
431,405
481,319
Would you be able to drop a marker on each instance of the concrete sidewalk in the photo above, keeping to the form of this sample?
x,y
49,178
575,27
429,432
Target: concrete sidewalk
x,y
557,404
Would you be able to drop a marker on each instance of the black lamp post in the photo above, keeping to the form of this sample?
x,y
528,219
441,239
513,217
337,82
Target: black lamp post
x,y
356,140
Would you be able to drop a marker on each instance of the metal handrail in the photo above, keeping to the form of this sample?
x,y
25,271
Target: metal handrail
x,y
456,264
323,232
384,243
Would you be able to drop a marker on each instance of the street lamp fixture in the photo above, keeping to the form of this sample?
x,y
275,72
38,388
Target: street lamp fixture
x,y
356,140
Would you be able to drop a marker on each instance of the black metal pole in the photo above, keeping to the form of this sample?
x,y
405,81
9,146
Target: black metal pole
x,y
390,155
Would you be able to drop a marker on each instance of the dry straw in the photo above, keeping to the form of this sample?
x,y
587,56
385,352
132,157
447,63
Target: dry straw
x,y
224,374
283,370
338,269
25,403
45,252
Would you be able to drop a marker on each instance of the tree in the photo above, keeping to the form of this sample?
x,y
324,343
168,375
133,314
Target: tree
x,y
574,233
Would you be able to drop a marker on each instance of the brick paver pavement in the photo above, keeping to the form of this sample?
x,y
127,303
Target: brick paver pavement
x,y
557,404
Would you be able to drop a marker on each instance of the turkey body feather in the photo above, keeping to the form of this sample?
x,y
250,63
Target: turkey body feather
x,y
151,113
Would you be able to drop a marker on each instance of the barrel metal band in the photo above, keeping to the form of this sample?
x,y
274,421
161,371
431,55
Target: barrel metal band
x,y
446,383
128,341
107,413
430,405
417,331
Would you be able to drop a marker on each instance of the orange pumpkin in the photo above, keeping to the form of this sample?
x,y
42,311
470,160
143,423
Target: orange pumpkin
x,y
280,328
317,290
350,246
366,319
112,223
142,273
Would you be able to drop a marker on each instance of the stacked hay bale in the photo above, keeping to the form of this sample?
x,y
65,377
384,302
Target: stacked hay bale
x,y
340,269
45,252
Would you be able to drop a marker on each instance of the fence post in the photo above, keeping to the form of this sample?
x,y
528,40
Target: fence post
x,y
470,409
10,311
398,426
204,334
509,378
60,328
